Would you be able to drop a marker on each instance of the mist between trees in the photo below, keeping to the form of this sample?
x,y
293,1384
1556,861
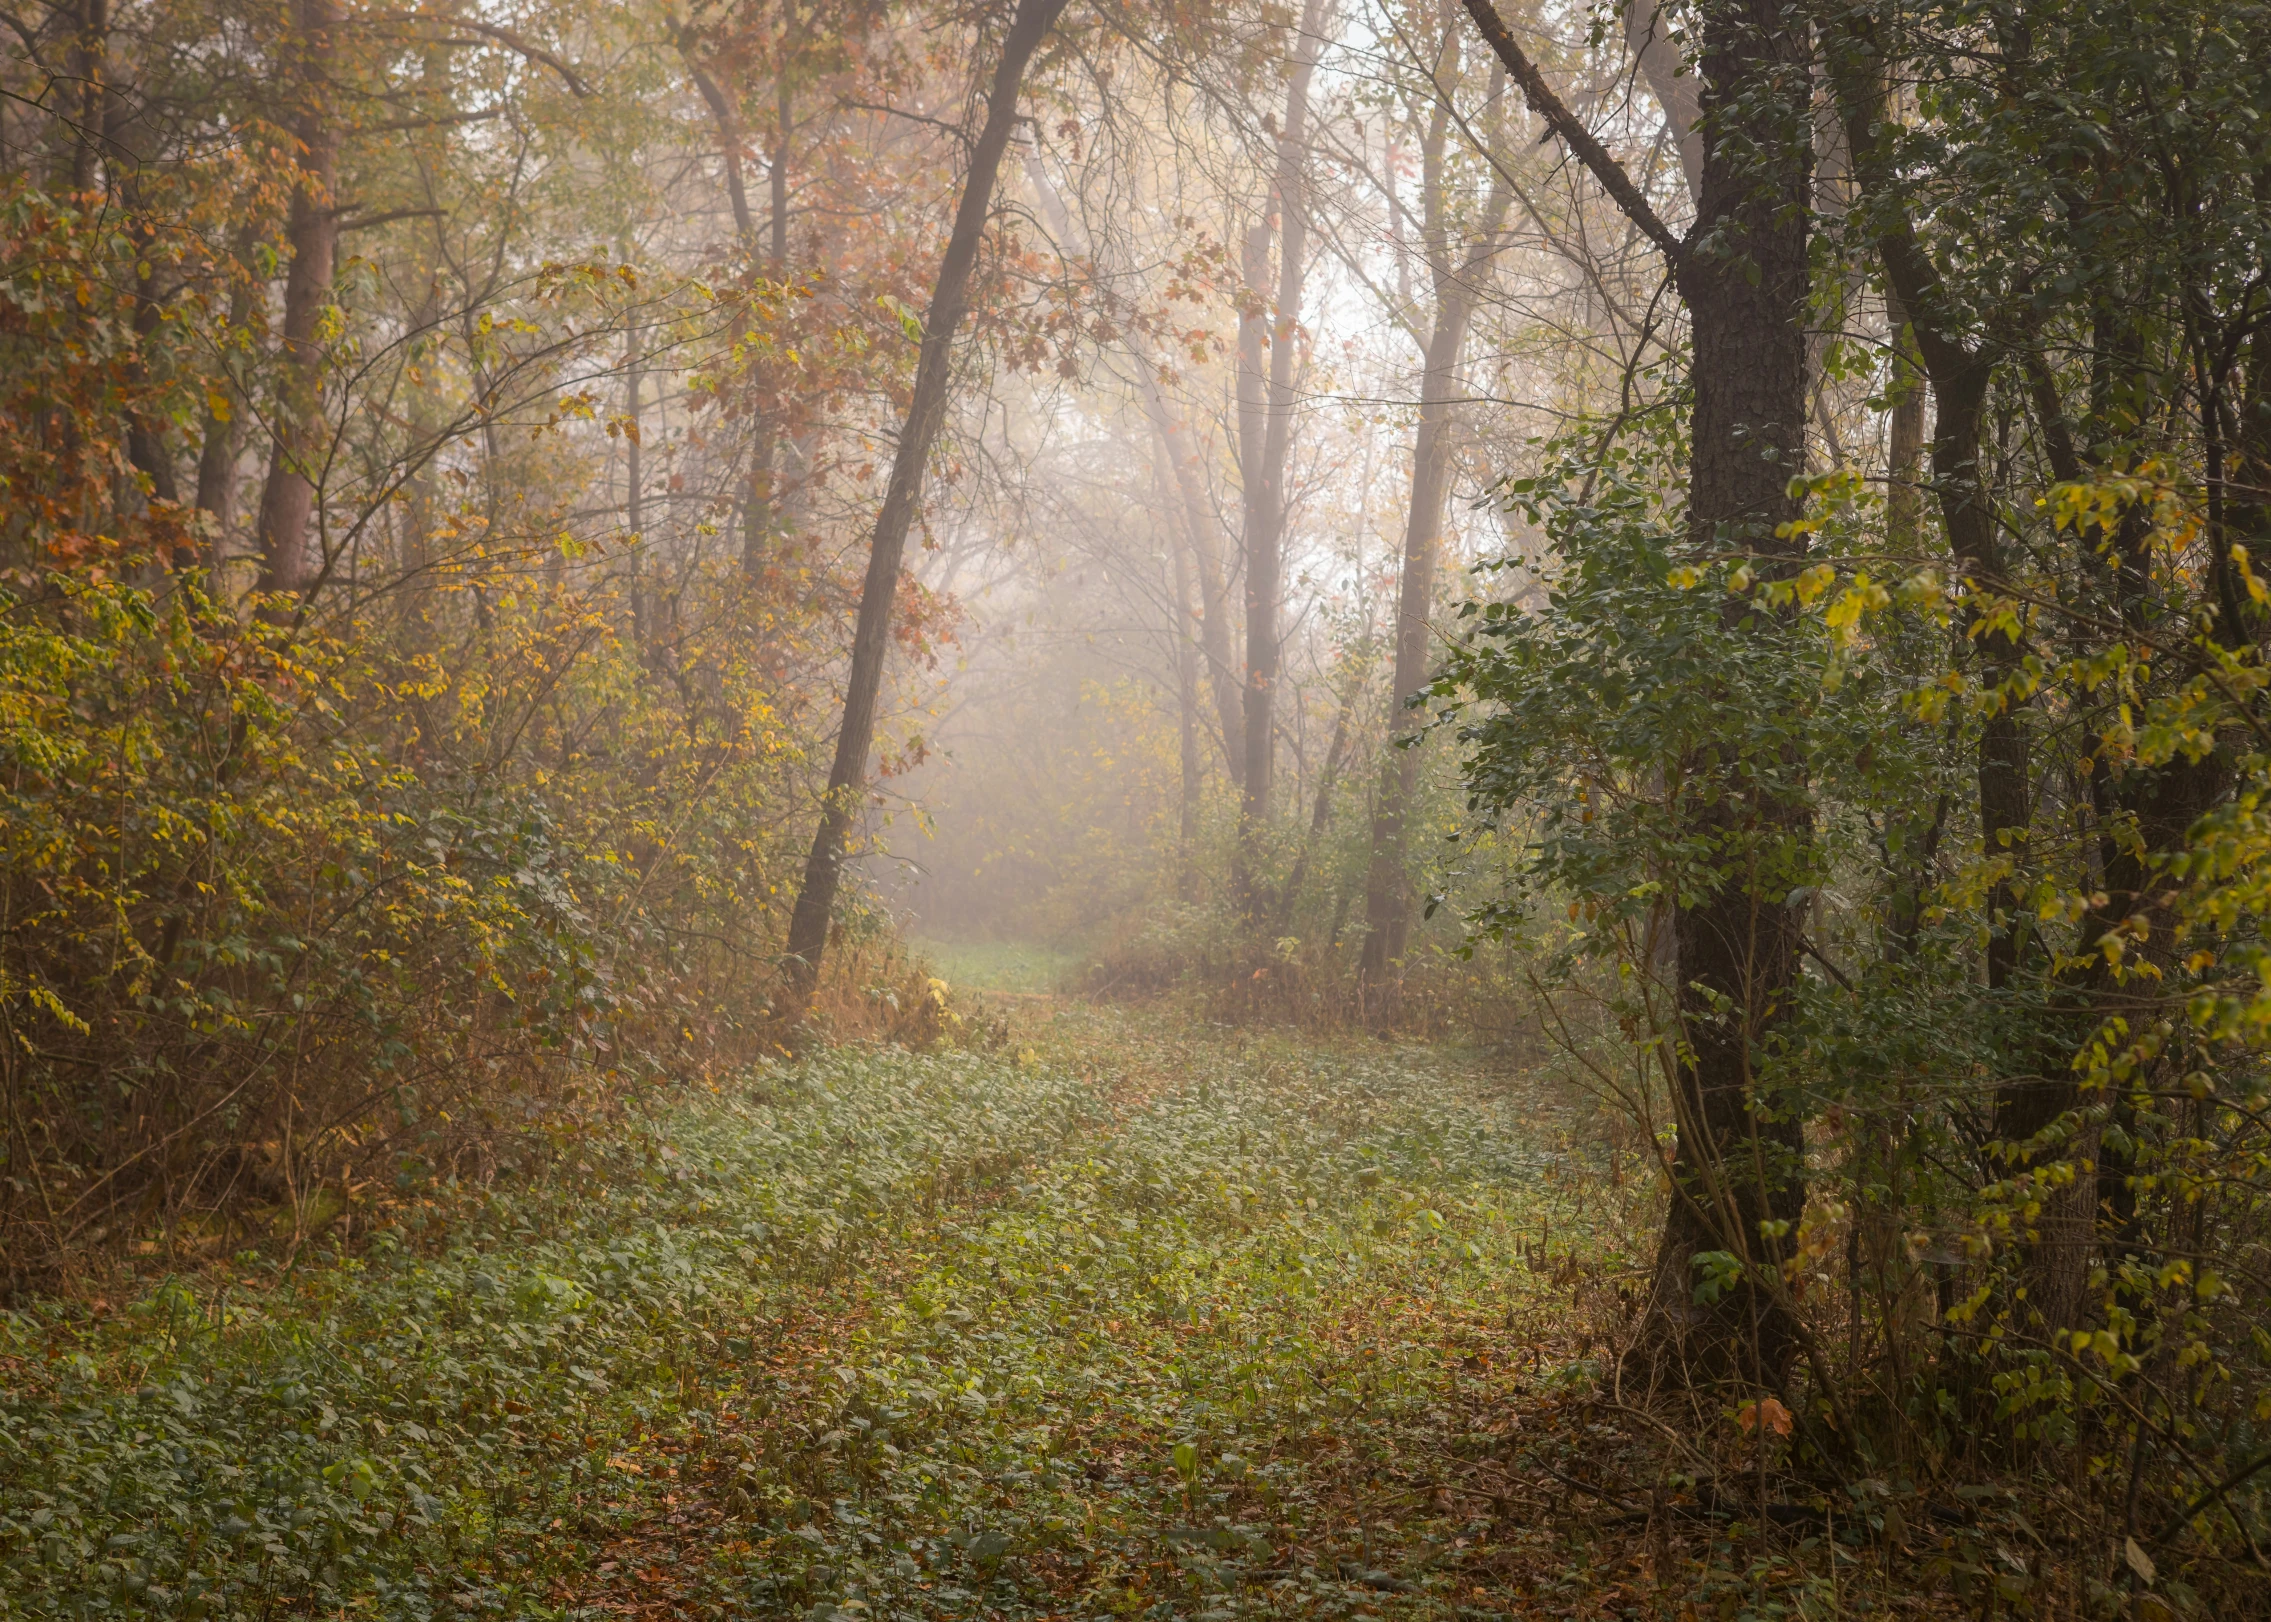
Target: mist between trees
x,y
1713,545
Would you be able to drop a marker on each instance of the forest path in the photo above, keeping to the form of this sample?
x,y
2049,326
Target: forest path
x,y
1224,1347
1127,1318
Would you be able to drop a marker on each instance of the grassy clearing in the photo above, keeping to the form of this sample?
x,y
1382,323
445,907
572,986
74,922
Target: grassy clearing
x,y
1110,1324
1018,967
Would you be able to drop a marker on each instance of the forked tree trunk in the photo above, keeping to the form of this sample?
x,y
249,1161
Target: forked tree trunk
x,y
926,414
287,498
1959,372
1457,286
1265,413
1198,512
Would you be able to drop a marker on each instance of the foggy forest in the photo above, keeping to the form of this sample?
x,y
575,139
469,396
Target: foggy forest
x,y
1015,809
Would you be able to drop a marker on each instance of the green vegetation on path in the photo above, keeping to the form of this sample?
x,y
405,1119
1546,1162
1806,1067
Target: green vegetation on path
x,y
1018,968
1112,1323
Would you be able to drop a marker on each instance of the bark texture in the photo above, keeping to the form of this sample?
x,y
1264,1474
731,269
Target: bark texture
x,y
1738,1166
1737,1171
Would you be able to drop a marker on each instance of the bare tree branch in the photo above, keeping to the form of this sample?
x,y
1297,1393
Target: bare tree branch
x,y
1572,131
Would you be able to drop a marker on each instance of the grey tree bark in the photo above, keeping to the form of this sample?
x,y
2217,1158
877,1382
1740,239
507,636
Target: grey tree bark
x,y
287,497
1265,422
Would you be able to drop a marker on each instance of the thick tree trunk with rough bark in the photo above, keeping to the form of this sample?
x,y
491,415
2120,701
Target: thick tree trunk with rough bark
x,y
926,414
1738,1166
1738,1170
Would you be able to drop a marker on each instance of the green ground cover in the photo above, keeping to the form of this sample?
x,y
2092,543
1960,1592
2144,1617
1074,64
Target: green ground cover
x,y
1013,966
1109,1323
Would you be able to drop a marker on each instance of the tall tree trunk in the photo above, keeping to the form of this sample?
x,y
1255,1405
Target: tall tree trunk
x,y
287,498
1186,653
926,414
1457,287
1265,431
79,133
634,489
1738,1165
